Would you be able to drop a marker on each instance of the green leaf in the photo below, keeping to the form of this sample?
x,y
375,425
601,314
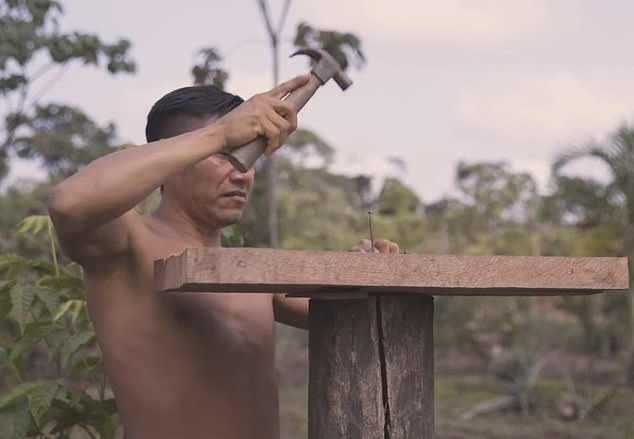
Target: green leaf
x,y
78,307
49,299
231,237
43,268
68,415
56,340
33,224
5,306
14,421
108,429
21,300
61,282
63,309
90,365
74,395
82,408
75,343
5,299
19,392
41,397
33,333
3,357
12,265
109,406
12,82
6,285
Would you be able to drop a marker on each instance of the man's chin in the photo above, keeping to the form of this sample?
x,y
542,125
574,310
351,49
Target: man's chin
x,y
229,219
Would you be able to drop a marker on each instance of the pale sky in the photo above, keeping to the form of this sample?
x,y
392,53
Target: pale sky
x,y
446,80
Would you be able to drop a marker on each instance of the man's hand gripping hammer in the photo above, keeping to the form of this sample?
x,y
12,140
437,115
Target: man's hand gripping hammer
x,y
325,67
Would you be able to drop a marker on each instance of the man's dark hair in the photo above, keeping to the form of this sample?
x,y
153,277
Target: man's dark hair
x,y
185,109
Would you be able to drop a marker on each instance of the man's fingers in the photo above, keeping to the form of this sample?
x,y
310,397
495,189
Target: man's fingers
x,y
287,111
363,246
272,134
386,246
286,87
380,246
281,130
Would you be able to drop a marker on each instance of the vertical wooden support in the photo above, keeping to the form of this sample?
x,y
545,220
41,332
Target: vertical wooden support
x,y
371,368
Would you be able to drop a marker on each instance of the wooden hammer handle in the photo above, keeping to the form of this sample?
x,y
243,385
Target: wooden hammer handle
x,y
243,157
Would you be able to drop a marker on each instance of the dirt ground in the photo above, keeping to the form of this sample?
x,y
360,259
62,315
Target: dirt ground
x,y
568,384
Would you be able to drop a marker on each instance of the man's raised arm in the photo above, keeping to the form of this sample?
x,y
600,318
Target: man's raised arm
x,y
91,210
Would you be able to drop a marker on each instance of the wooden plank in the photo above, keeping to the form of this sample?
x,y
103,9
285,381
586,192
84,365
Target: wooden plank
x,y
344,390
406,349
313,273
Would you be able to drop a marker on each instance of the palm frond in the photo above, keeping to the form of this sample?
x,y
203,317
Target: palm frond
x,y
585,151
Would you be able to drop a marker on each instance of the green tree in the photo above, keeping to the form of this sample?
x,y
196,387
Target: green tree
x,y
582,202
63,139
617,154
305,145
32,48
397,198
495,194
209,69
344,47
495,214
19,201
318,209
336,44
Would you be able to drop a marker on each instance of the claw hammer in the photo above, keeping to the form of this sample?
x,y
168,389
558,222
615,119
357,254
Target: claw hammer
x,y
326,67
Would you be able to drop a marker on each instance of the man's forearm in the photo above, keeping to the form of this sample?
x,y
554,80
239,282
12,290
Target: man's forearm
x,y
114,184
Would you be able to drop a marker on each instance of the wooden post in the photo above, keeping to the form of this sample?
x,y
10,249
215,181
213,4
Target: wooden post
x,y
371,368
371,319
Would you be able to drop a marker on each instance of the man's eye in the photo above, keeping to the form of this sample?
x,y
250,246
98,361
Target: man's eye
x,y
221,157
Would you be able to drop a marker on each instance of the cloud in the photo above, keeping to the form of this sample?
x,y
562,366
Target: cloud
x,y
450,22
545,110
22,169
249,84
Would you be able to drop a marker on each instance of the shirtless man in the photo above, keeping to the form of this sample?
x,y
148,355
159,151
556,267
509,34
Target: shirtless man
x,y
182,366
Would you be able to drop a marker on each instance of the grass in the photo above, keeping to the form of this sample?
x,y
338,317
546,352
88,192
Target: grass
x,y
455,395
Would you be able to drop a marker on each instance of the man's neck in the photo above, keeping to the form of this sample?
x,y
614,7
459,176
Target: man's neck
x,y
191,232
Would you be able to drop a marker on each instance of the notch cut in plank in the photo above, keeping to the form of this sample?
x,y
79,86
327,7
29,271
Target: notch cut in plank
x,y
313,273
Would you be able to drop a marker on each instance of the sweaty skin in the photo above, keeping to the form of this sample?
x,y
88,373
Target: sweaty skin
x,y
181,365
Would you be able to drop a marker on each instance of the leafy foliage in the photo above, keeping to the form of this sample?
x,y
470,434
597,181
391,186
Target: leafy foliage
x,y
208,69
64,139
303,145
345,47
497,211
46,311
617,153
32,46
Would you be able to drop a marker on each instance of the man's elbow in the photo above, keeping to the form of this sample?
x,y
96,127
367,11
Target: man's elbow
x,y
63,209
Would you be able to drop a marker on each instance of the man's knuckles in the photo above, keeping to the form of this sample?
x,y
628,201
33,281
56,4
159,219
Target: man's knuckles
x,y
380,246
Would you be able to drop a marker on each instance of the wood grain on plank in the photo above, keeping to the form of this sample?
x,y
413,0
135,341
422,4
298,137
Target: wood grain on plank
x,y
311,273
406,345
371,368
344,391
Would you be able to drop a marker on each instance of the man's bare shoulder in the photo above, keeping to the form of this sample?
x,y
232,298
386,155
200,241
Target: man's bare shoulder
x,y
150,239
125,242
131,267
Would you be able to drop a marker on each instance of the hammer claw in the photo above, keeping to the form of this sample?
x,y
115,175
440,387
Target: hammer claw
x,y
325,67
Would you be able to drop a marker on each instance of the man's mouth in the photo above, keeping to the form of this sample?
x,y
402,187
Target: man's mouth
x,y
239,194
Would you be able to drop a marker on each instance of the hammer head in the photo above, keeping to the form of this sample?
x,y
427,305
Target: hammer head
x,y
326,67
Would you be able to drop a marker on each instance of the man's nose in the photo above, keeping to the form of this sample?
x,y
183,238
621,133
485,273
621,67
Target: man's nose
x,y
236,175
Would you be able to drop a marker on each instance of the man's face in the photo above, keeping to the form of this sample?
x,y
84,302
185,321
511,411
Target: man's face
x,y
213,192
